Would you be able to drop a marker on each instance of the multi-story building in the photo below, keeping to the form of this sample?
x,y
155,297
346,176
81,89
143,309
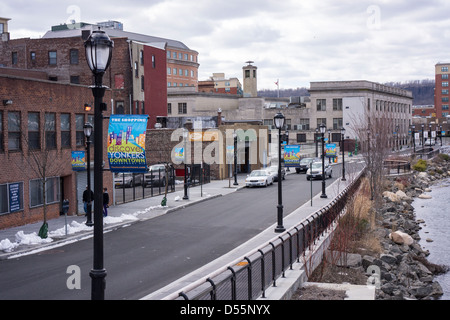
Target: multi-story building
x,y
60,53
218,83
441,91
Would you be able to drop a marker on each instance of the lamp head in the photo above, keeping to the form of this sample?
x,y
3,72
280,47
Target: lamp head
x,y
87,128
98,51
278,120
322,128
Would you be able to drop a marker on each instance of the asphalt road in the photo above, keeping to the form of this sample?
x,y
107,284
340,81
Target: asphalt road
x,y
145,256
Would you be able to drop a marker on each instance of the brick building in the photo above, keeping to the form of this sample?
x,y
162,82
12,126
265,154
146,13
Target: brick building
x,y
42,119
441,91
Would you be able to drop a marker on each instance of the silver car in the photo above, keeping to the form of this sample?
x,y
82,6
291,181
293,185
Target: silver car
x,y
316,171
259,178
127,179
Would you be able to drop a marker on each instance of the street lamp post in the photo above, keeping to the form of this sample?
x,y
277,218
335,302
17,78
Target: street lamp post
x,y
98,55
185,137
279,124
87,128
329,141
396,133
235,159
440,134
343,152
423,146
413,127
429,136
316,142
322,132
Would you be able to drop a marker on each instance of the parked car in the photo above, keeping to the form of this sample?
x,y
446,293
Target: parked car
x,y
304,165
261,178
316,171
125,179
274,171
156,176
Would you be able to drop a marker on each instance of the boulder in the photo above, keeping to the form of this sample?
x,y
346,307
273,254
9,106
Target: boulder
x,y
401,238
391,196
424,196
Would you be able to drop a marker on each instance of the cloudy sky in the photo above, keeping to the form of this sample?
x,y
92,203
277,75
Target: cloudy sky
x,y
295,41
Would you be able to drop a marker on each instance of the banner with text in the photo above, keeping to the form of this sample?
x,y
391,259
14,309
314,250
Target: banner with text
x,y
291,155
126,143
78,160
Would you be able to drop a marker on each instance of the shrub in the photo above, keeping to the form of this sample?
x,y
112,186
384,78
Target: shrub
x,y
421,165
444,156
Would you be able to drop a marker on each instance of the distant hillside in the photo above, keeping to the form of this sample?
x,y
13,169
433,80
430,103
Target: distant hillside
x,y
422,90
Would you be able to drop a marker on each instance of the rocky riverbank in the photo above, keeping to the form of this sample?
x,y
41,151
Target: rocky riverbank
x,y
405,273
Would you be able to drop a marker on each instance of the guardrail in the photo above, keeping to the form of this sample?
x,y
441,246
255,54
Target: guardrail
x,y
260,269
397,167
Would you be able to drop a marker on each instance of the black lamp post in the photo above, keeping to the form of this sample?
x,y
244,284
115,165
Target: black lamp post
x,y
98,55
413,131
423,145
343,152
322,132
278,121
440,134
316,141
87,128
235,159
429,136
185,136
396,133
329,141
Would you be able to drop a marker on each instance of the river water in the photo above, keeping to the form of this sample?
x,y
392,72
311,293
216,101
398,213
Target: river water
x,y
436,213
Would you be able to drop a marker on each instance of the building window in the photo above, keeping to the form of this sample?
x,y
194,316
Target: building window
x,y
73,56
141,57
337,123
444,91
320,121
136,70
444,99
50,131
34,136
445,84
65,130
169,71
185,56
180,56
14,130
444,76
304,124
247,73
14,58
321,104
142,83
337,104
301,137
168,54
75,79
79,133
52,58
182,108
143,107
153,61
445,107
37,194
444,69
33,56
169,108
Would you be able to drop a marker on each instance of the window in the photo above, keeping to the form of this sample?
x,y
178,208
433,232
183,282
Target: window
x,y
320,121
14,130
444,69
182,108
174,71
169,71
141,57
50,131
14,58
445,107
79,133
34,136
444,76
33,56
247,73
65,130
444,99
337,104
301,137
337,123
185,56
136,70
304,124
169,108
37,194
142,83
73,56
321,104
52,58
445,84
444,91
75,79
2,27
168,54
180,56
153,62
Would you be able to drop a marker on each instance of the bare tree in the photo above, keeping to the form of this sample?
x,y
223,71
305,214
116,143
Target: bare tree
x,y
39,155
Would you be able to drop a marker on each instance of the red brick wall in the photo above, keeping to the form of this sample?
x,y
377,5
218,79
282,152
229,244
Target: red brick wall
x,y
43,96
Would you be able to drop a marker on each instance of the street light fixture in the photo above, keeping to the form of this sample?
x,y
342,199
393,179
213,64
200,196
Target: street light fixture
x,y
343,152
98,55
185,138
278,121
87,128
316,141
322,132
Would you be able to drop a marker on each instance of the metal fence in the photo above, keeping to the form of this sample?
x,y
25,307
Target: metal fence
x,y
260,269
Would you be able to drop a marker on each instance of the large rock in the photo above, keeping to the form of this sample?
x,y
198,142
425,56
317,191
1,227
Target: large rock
x,y
391,196
401,238
424,196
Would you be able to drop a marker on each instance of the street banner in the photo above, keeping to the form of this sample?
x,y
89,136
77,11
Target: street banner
x,y
330,150
291,155
126,143
79,160
178,155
